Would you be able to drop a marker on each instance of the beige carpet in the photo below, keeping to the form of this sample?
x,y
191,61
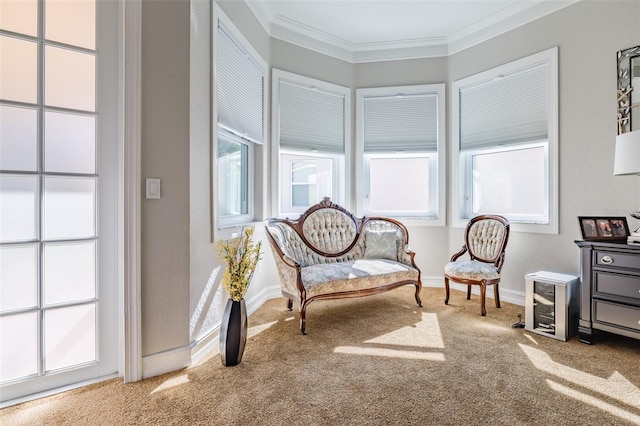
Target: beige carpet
x,y
376,360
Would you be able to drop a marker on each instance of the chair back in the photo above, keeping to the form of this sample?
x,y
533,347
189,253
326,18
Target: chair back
x,y
486,238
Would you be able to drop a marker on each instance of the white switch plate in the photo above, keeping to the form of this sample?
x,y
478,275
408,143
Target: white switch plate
x,y
153,189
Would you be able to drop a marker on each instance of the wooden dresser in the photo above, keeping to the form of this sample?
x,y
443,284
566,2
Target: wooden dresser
x,y
610,289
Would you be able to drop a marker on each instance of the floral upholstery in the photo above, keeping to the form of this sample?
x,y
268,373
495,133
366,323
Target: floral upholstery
x,y
381,244
327,253
328,230
354,275
485,239
472,269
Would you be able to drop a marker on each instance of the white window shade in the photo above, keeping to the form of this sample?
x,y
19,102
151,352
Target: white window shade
x,y
507,110
401,123
311,119
240,89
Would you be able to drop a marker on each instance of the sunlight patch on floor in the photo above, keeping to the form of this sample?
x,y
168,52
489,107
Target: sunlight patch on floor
x,y
257,329
171,383
492,327
389,353
616,387
35,414
598,403
534,341
425,334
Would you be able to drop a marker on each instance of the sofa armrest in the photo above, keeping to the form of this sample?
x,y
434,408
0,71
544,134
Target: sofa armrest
x,y
289,273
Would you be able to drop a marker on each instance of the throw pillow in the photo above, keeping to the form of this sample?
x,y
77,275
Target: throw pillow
x,y
380,245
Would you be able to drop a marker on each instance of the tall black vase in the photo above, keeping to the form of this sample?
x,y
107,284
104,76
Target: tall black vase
x,y
233,332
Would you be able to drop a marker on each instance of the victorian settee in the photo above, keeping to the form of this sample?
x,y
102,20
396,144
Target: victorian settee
x,y
328,253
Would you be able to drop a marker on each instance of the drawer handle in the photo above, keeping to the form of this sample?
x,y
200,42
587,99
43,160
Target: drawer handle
x,y
607,259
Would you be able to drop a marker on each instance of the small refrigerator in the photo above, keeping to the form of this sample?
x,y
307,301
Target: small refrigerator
x,y
552,304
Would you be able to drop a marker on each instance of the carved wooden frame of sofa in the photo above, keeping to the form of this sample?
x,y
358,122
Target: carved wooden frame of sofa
x,y
328,253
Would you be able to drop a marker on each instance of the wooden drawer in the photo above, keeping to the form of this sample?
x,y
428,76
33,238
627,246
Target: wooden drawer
x,y
619,315
617,285
617,260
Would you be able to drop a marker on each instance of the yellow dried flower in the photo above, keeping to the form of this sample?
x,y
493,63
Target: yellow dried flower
x,y
241,256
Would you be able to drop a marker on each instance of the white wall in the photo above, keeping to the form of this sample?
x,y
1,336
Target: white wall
x,y
178,259
165,155
588,35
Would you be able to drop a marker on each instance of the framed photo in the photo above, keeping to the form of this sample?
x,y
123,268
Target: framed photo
x,y
604,228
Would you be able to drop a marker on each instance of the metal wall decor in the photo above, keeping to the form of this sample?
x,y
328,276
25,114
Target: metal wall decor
x,y
625,75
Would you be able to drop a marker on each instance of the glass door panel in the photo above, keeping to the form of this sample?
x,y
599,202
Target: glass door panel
x,y
69,271
70,79
18,208
18,69
18,277
18,139
69,336
58,169
19,331
69,208
19,16
69,143
81,13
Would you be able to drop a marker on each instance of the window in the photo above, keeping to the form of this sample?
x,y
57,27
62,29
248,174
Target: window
x,y
505,144
401,139
312,127
239,171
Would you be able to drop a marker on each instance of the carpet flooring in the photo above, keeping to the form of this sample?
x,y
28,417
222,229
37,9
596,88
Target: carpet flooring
x,y
376,360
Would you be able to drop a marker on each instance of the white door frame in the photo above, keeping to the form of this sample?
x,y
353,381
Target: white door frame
x,y
131,195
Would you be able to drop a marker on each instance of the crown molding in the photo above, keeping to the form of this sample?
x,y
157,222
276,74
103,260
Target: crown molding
x,y
302,35
506,20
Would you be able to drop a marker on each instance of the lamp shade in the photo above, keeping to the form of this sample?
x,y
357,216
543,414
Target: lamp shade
x,y
627,160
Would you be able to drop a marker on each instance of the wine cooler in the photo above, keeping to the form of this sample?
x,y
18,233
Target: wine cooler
x,y
552,305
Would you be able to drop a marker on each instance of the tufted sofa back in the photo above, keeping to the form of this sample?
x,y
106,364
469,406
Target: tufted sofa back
x,y
486,237
329,230
327,233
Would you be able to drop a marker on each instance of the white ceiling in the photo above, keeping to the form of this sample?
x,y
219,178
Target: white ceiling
x,y
378,30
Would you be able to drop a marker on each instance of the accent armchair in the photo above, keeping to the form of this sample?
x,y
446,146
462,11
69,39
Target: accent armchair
x,y
485,239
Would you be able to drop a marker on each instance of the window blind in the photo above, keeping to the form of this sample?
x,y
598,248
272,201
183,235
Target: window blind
x,y
401,123
240,91
310,119
508,110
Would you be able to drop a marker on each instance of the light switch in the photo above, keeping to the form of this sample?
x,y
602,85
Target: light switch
x,y
153,189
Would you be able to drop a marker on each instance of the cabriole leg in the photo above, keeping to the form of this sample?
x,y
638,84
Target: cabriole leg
x,y
446,287
303,324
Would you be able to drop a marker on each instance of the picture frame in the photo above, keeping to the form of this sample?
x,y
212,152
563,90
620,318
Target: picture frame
x,y
604,228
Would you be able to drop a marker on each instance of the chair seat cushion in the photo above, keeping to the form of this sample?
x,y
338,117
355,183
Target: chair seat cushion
x,y
471,270
354,275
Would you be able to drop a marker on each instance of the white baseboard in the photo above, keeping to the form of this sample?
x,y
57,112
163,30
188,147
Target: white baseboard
x,y
506,295
165,362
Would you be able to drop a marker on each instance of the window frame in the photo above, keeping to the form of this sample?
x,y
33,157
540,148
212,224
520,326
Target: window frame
x,y
467,158
257,188
241,218
460,179
439,186
341,175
